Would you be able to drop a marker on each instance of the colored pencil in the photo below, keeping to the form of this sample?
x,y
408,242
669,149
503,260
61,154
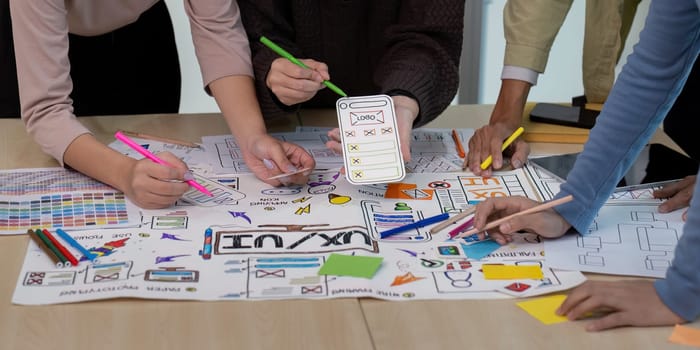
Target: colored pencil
x,y
535,209
54,258
160,139
73,243
62,259
457,230
458,144
417,224
288,174
487,162
70,257
136,147
441,226
282,52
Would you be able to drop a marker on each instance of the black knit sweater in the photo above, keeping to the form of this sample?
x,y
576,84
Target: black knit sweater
x,y
397,47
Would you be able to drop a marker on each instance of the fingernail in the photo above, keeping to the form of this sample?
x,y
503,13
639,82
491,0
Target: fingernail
x,y
663,209
516,163
268,164
292,169
188,176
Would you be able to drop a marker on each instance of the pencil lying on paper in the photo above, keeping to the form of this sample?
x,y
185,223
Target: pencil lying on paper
x,y
39,243
461,227
73,243
47,243
71,259
458,144
441,226
160,139
413,225
535,209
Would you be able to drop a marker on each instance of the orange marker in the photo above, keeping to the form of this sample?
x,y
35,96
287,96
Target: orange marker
x,y
458,144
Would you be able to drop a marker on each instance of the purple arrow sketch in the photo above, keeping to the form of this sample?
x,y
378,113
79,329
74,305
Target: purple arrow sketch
x,y
161,259
240,214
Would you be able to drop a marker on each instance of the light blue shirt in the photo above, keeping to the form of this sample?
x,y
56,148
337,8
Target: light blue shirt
x,y
639,101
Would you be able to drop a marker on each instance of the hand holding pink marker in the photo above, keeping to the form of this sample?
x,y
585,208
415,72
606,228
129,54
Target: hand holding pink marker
x,y
136,147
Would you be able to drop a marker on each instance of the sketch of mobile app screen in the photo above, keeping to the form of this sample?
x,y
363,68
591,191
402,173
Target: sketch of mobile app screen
x,y
370,139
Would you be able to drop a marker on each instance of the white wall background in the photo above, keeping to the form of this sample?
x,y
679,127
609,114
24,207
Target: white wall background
x,y
561,81
193,98
562,77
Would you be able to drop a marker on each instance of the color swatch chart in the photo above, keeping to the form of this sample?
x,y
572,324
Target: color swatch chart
x,y
47,198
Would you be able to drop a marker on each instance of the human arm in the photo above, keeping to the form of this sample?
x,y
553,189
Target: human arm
x,y
675,299
644,92
222,49
235,96
653,75
505,119
530,27
45,86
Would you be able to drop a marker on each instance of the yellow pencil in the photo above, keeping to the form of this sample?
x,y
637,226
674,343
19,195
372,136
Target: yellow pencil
x,y
487,162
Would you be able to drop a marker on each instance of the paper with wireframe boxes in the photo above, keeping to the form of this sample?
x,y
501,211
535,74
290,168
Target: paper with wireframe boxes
x,y
370,139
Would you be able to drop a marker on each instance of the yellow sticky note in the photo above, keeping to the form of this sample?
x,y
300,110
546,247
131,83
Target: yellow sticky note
x,y
510,272
544,309
685,335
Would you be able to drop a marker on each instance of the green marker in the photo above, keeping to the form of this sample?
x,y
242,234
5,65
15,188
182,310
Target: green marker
x,y
282,52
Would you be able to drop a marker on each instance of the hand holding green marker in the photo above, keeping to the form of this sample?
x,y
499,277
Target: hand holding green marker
x,y
282,52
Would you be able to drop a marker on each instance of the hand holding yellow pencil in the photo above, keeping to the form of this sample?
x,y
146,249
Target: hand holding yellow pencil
x,y
487,162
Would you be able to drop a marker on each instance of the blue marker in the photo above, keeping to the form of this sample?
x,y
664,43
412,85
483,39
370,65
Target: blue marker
x,y
417,224
206,250
73,243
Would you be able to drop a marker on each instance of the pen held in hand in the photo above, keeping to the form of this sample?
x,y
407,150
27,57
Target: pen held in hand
x,y
535,209
136,147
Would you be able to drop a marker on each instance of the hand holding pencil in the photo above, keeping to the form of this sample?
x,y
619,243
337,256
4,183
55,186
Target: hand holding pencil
x,y
294,80
156,181
512,214
486,146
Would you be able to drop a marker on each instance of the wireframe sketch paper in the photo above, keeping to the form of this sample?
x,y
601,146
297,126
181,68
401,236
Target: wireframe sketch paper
x,y
271,243
370,139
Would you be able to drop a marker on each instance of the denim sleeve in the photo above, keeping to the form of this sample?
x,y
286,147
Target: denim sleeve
x,y
680,291
645,91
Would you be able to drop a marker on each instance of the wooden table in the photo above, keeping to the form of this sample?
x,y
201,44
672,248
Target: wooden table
x,y
289,324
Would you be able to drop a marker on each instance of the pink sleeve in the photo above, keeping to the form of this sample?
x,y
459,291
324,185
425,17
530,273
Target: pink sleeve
x,y
219,39
40,33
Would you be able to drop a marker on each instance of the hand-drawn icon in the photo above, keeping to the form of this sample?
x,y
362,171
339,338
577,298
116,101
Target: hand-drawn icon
x,y
366,118
171,274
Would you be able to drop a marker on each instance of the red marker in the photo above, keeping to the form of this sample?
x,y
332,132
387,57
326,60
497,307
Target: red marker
x,y
61,248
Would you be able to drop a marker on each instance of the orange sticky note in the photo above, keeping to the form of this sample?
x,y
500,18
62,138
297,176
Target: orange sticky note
x,y
544,309
511,272
685,335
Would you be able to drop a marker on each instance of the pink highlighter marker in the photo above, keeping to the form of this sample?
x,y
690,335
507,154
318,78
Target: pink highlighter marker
x,y
136,147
